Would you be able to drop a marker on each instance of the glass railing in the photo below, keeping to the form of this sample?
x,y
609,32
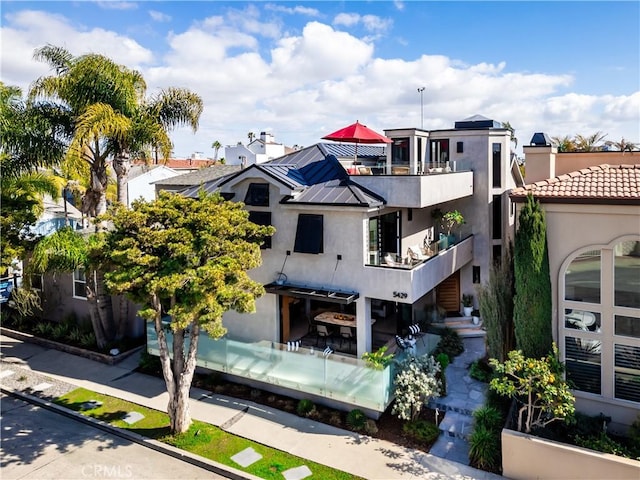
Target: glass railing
x,y
343,379
425,252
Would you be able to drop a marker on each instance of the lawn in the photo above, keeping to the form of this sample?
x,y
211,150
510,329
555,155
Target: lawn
x,y
201,439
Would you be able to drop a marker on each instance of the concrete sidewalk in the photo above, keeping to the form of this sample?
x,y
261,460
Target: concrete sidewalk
x,y
348,451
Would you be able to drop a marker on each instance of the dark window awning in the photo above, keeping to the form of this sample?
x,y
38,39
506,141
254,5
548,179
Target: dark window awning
x,y
333,296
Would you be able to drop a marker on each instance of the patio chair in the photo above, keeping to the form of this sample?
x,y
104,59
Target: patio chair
x,y
401,343
346,334
416,332
323,332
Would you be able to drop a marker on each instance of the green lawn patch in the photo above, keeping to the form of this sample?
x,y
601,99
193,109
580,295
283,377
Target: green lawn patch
x,y
201,439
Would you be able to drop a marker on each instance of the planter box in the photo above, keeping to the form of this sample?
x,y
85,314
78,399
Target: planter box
x,y
63,347
528,457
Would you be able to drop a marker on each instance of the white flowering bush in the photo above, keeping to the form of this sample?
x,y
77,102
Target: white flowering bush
x,y
415,384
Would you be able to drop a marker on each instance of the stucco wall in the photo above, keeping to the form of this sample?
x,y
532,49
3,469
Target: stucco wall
x,y
572,227
527,457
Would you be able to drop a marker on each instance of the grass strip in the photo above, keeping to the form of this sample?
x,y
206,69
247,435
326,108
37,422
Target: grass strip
x,y
202,439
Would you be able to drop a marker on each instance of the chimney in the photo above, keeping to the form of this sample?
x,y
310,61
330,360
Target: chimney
x,y
540,158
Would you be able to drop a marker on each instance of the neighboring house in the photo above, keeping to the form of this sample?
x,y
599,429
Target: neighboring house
x,y
368,245
185,165
259,150
63,295
142,178
195,178
592,207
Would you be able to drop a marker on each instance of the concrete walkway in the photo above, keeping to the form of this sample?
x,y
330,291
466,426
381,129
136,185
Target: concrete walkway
x,y
464,396
348,451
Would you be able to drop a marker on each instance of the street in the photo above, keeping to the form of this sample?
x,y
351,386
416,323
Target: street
x,y
40,444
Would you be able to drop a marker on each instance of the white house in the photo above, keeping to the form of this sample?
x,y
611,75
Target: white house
x,y
367,249
142,178
259,150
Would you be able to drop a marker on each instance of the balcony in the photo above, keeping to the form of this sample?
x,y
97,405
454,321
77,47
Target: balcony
x,y
401,189
408,280
337,378
341,379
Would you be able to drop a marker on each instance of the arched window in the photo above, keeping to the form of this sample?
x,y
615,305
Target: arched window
x,y
600,329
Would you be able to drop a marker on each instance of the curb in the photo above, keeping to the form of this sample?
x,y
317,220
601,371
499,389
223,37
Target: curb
x,y
204,463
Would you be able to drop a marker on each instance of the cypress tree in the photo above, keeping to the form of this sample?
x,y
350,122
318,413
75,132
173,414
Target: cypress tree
x,y
532,306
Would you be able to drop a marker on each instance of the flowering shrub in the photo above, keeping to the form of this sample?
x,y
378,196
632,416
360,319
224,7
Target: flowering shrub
x,y
415,383
537,384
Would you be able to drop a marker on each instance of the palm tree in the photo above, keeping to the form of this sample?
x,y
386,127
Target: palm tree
x,y
149,128
589,143
216,148
622,146
30,138
564,144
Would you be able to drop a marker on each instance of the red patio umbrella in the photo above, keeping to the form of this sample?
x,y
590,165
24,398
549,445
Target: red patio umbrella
x,y
357,133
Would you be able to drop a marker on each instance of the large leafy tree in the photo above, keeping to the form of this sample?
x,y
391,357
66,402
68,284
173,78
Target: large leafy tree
x,y
532,304
188,258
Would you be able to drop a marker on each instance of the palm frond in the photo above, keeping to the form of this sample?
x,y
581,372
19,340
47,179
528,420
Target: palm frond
x,y
58,58
176,107
62,251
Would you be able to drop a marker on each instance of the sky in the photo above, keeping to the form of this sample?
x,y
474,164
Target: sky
x,y
301,70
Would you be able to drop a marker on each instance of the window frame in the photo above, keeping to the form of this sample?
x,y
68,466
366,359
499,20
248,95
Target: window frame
x,y
306,226
257,195
79,281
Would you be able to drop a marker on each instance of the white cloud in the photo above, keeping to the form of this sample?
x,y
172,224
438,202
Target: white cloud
x,y
371,23
159,16
298,9
115,5
302,86
27,30
346,19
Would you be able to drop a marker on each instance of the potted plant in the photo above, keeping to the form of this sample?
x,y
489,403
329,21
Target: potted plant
x,y
450,220
467,304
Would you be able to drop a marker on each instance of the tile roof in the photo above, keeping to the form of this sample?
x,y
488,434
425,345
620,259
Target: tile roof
x,y
598,184
200,176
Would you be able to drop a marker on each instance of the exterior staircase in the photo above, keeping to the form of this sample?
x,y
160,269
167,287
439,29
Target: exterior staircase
x,y
464,326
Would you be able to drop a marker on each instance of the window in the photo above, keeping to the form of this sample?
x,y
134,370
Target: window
x,y
79,284
627,372
309,234
262,218
257,195
497,254
497,165
601,325
37,282
583,359
459,147
627,326
400,151
497,217
440,151
626,268
582,278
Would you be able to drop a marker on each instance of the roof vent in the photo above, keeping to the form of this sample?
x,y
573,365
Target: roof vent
x,y
540,140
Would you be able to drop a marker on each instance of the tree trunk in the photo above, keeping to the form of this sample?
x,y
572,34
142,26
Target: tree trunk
x,y
123,320
178,372
92,302
105,307
122,165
